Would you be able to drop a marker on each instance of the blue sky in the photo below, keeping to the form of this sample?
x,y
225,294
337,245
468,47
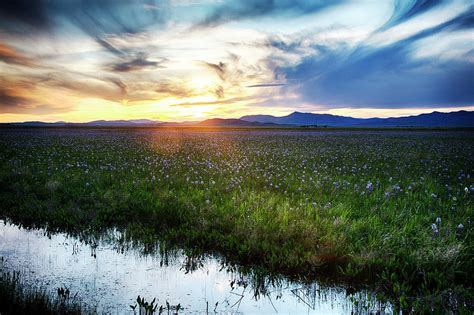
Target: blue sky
x,y
82,60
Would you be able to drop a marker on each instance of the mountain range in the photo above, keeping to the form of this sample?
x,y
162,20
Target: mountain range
x,y
457,119
434,119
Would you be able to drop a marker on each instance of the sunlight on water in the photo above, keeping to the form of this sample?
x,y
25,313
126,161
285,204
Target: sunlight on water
x,y
110,279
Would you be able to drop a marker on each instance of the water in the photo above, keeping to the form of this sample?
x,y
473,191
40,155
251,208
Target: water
x,y
109,278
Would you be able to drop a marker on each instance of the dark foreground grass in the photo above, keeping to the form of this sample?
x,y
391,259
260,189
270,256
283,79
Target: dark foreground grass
x,y
16,298
392,209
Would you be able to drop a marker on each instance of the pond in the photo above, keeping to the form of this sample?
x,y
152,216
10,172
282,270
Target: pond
x,y
108,278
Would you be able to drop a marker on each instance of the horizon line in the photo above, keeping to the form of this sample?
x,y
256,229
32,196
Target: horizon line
x,y
228,118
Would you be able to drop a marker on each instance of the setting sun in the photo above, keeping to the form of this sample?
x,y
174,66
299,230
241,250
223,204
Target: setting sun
x,y
188,60
236,157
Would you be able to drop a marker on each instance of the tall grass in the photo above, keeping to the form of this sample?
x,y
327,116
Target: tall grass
x,y
358,205
18,297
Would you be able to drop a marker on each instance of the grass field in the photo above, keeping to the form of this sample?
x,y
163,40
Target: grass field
x,y
392,209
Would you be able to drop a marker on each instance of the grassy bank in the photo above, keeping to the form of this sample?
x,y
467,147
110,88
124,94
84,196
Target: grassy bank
x,y
359,205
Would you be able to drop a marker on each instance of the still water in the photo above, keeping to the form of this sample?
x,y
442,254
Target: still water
x,y
108,278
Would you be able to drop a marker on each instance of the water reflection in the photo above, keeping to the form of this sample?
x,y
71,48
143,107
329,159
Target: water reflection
x,y
108,273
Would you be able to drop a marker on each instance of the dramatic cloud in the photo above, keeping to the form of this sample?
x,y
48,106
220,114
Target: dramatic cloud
x,y
169,59
387,76
111,89
219,92
407,9
219,68
218,102
265,85
93,17
136,63
9,55
9,100
178,90
247,9
97,19
15,98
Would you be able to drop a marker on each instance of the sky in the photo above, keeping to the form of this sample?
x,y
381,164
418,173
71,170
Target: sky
x,y
176,60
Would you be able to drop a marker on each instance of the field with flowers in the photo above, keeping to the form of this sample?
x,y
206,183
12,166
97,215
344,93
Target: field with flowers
x,y
392,209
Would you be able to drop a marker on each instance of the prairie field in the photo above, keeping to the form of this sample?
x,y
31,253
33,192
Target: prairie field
x,y
385,209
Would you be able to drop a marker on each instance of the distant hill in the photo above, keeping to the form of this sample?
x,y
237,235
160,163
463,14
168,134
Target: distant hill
x,y
95,123
221,122
304,119
214,122
434,119
37,124
119,123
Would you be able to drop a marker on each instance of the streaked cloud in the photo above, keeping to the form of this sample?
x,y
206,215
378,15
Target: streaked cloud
x,y
9,99
231,11
10,55
265,85
408,9
189,59
388,76
135,63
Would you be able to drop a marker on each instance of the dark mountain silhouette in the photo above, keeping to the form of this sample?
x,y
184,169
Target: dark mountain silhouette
x,y
220,122
434,119
37,124
119,123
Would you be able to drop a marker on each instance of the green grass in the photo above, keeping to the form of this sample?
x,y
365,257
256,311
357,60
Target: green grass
x,y
357,205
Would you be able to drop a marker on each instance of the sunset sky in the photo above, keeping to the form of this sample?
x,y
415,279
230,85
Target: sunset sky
x,y
175,60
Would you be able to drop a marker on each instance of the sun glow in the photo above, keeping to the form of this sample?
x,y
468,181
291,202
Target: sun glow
x,y
182,69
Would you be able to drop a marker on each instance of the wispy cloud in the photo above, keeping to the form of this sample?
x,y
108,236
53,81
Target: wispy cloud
x,y
217,102
174,89
386,76
187,58
247,9
8,99
263,85
219,68
10,55
135,63
405,10
15,98
97,19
